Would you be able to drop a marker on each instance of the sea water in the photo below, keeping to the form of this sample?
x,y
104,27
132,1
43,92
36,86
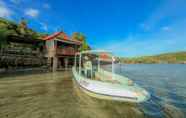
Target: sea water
x,y
55,95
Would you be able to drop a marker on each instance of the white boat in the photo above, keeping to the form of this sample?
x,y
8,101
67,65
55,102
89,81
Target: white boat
x,y
94,72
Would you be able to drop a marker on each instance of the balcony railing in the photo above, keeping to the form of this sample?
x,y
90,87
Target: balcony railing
x,y
66,51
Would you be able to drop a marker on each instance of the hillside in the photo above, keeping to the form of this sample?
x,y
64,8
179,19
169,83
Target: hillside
x,y
176,57
21,30
8,28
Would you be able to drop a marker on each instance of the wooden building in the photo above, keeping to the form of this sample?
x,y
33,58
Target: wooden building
x,y
61,50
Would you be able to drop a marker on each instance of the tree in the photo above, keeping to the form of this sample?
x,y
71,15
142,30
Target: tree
x,y
4,33
22,27
75,36
82,37
7,28
85,45
3,36
78,36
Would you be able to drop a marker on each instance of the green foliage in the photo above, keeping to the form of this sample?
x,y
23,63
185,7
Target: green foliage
x,y
81,37
4,33
78,36
178,57
84,46
20,29
3,37
75,36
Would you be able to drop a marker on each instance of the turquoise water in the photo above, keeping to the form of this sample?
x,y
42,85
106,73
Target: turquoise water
x,y
166,84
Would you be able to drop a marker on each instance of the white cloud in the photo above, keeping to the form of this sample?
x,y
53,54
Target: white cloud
x,y
159,42
134,47
46,6
32,12
5,12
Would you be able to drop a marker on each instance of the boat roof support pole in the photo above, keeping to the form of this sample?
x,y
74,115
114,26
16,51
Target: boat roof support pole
x,y
80,64
75,63
112,67
98,64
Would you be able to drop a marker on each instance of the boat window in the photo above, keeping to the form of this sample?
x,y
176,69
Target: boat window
x,y
88,65
96,67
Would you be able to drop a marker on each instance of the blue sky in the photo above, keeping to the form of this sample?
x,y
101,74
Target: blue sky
x,y
125,27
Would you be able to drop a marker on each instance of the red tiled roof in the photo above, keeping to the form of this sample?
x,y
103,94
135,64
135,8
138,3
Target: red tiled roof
x,y
65,38
50,37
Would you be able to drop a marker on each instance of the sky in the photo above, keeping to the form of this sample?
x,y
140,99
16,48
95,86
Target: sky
x,y
126,27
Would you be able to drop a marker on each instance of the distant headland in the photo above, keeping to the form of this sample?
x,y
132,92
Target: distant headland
x,y
166,58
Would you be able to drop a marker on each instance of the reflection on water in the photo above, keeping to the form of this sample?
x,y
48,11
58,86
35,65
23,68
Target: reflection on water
x,y
55,95
96,108
166,84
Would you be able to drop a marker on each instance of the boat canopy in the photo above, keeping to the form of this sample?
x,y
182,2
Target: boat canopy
x,y
102,54
95,61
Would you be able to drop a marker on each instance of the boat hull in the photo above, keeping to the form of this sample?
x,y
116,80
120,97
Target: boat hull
x,y
108,91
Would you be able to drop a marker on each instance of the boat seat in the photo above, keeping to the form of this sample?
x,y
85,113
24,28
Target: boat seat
x,y
100,77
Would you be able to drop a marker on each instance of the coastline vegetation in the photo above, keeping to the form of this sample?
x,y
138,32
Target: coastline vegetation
x,y
174,58
10,28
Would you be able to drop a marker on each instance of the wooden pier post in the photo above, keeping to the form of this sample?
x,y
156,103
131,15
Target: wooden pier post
x,y
66,63
55,61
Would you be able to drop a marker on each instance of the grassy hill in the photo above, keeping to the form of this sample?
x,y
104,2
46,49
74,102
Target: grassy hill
x,y
175,57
